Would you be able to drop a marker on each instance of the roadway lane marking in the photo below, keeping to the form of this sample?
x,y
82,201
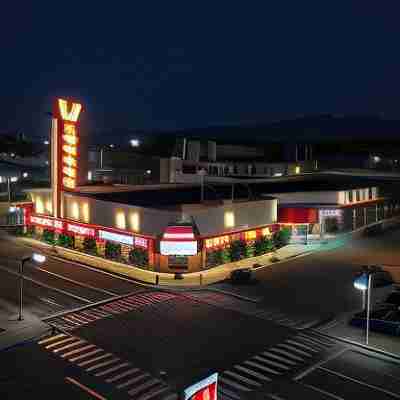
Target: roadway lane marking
x,y
69,339
85,285
292,348
143,386
311,342
112,369
91,353
122,375
64,292
252,373
236,385
77,351
265,368
68,346
85,388
133,380
279,358
152,393
361,383
241,378
287,354
270,362
50,339
103,364
320,342
303,346
92,360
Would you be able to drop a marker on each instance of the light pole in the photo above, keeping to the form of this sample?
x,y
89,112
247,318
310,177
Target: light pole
x,y
364,282
36,258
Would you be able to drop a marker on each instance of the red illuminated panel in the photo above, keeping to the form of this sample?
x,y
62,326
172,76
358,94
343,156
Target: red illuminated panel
x,y
178,233
207,393
292,215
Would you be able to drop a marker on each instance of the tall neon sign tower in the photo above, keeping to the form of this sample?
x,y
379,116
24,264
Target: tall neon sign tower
x,y
64,150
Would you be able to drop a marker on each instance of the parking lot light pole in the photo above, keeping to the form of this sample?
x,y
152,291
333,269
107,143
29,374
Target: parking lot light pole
x,y
363,283
36,258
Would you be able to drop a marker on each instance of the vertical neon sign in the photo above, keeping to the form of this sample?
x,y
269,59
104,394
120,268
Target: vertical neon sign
x,y
65,153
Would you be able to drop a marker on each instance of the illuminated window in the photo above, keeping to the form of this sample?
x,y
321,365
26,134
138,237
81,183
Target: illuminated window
x,y
75,211
229,219
266,232
120,221
216,242
134,221
250,235
357,195
49,206
39,206
85,212
209,243
297,169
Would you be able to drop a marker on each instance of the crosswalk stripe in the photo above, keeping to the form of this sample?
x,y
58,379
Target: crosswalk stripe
x,y
292,348
270,362
241,378
72,352
109,309
69,339
303,346
279,358
112,369
311,342
315,335
133,380
152,393
236,385
286,353
103,364
80,320
122,305
90,316
68,321
68,346
50,339
91,353
265,368
252,373
92,360
143,386
122,375
228,392
100,313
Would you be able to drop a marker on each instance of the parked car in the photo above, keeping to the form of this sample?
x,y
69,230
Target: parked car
x,y
383,319
380,278
393,298
241,275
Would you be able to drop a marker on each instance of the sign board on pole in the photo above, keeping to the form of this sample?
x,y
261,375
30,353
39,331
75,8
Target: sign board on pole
x,y
206,389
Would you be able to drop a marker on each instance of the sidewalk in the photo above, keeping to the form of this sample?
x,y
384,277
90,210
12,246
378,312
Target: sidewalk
x,y
14,332
205,277
340,328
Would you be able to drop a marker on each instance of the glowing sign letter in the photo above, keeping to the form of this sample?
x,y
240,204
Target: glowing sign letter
x,y
71,115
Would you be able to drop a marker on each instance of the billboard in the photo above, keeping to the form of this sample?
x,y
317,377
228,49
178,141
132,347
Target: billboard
x,y
171,248
206,389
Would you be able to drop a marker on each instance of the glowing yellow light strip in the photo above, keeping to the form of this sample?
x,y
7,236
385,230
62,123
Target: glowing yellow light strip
x,y
71,115
69,182
70,161
70,150
71,172
69,139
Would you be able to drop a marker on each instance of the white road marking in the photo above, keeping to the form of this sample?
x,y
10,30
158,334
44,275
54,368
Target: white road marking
x,y
122,375
91,353
112,369
103,364
77,351
252,373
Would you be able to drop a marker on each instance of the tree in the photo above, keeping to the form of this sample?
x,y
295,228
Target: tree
x,y
48,236
89,245
113,250
237,250
65,241
263,245
139,257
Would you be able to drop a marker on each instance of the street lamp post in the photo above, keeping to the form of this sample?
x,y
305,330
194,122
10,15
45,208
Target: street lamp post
x,y
37,258
364,283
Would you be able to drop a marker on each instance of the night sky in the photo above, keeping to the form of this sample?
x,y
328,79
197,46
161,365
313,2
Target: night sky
x,y
166,64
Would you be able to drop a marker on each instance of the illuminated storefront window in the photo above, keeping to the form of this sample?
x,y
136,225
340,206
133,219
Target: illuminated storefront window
x,y
250,235
265,232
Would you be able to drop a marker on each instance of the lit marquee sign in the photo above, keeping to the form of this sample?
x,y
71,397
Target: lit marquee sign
x,y
47,222
178,241
68,142
81,230
205,389
116,237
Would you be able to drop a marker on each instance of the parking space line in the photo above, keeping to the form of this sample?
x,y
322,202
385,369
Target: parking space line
x,y
133,380
103,364
77,351
52,338
85,388
92,360
122,375
269,355
143,386
91,353
112,369
252,373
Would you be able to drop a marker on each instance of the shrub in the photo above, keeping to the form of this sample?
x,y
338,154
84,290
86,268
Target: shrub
x,y
282,237
113,251
139,257
237,250
263,245
89,245
65,241
250,249
48,236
